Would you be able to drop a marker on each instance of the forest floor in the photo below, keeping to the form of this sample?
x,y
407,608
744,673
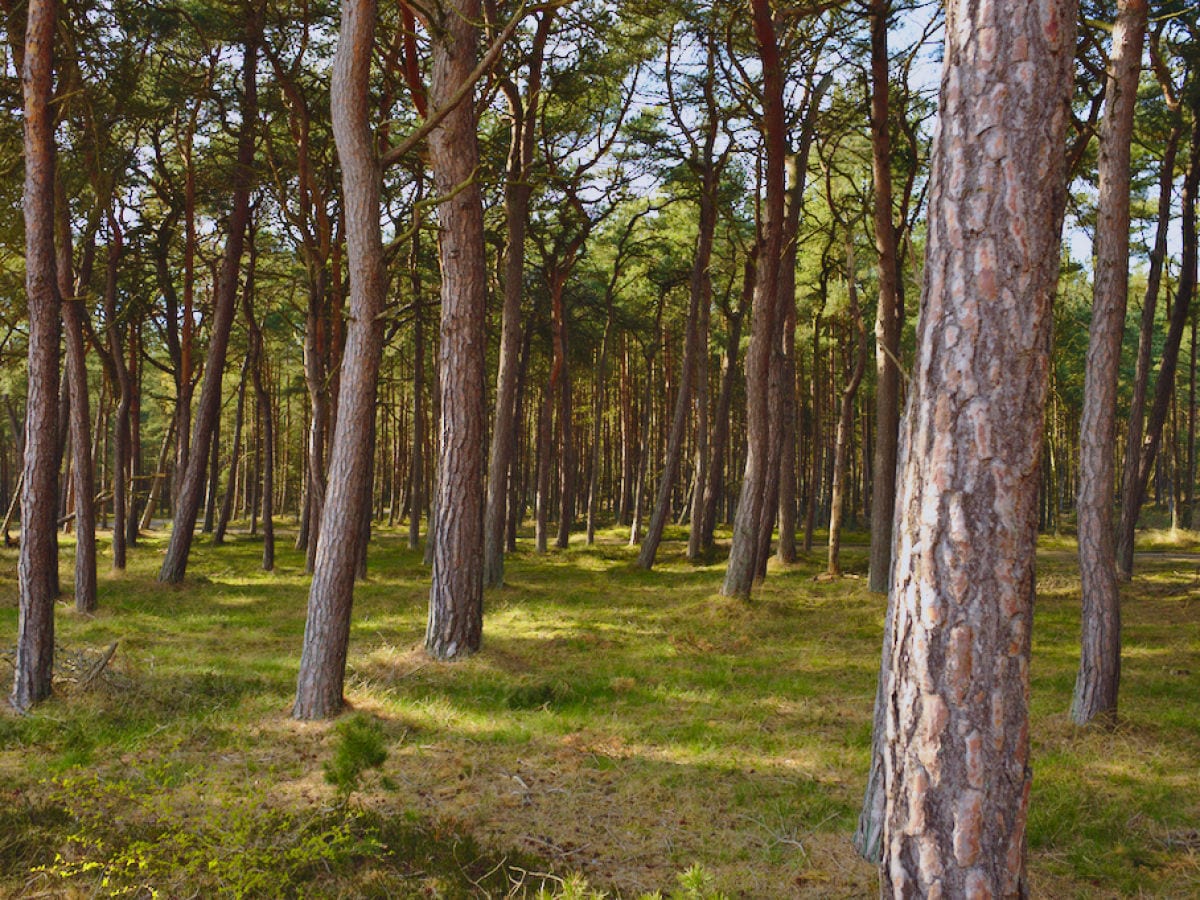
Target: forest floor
x,y
633,729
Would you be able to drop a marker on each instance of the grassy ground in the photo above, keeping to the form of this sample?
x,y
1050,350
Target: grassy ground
x,y
634,728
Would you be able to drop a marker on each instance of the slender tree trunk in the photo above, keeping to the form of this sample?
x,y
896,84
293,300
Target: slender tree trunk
x,y
743,555
956,674
214,480
235,457
81,439
38,559
327,629
889,317
160,476
714,489
124,391
267,418
845,422
416,503
518,190
1137,404
542,498
1100,664
700,293
1134,491
174,566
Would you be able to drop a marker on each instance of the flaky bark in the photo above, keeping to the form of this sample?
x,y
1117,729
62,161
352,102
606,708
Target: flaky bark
x,y
956,674
38,559
1100,662
456,596
327,629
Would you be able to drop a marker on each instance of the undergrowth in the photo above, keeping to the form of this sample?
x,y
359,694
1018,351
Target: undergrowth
x,y
623,734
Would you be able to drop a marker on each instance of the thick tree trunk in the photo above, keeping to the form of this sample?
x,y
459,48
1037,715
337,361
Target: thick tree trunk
x,y
38,559
889,316
174,566
327,629
1100,663
956,676
456,596
1134,490
744,554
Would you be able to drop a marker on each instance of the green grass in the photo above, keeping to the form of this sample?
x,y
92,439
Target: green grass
x,y
620,724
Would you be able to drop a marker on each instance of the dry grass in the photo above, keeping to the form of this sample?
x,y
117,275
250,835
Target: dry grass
x,y
618,723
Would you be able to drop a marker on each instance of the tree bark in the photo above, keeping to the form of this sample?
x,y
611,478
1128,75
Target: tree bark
x,y
956,673
889,316
1134,489
743,555
1100,663
456,596
327,629
38,559
191,487
700,295
124,392
517,192
837,501
83,471
258,359
235,457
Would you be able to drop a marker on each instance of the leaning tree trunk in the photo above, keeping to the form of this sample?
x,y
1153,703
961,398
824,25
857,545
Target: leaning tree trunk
x,y
1100,662
38,559
1134,490
889,316
1146,334
956,674
743,555
700,292
327,629
191,487
456,597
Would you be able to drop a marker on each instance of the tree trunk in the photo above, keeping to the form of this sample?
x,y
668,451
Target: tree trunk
x,y
416,502
159,477
235,456
743,555
81,440
1134,489
259,361
456,596
889,316
845,422
956,675
214,480
517,192
700,293
38,559
327,629
174,566
1100,663
124,391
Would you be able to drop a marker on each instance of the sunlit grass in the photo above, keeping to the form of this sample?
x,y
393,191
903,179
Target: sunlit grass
x,y
620,723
